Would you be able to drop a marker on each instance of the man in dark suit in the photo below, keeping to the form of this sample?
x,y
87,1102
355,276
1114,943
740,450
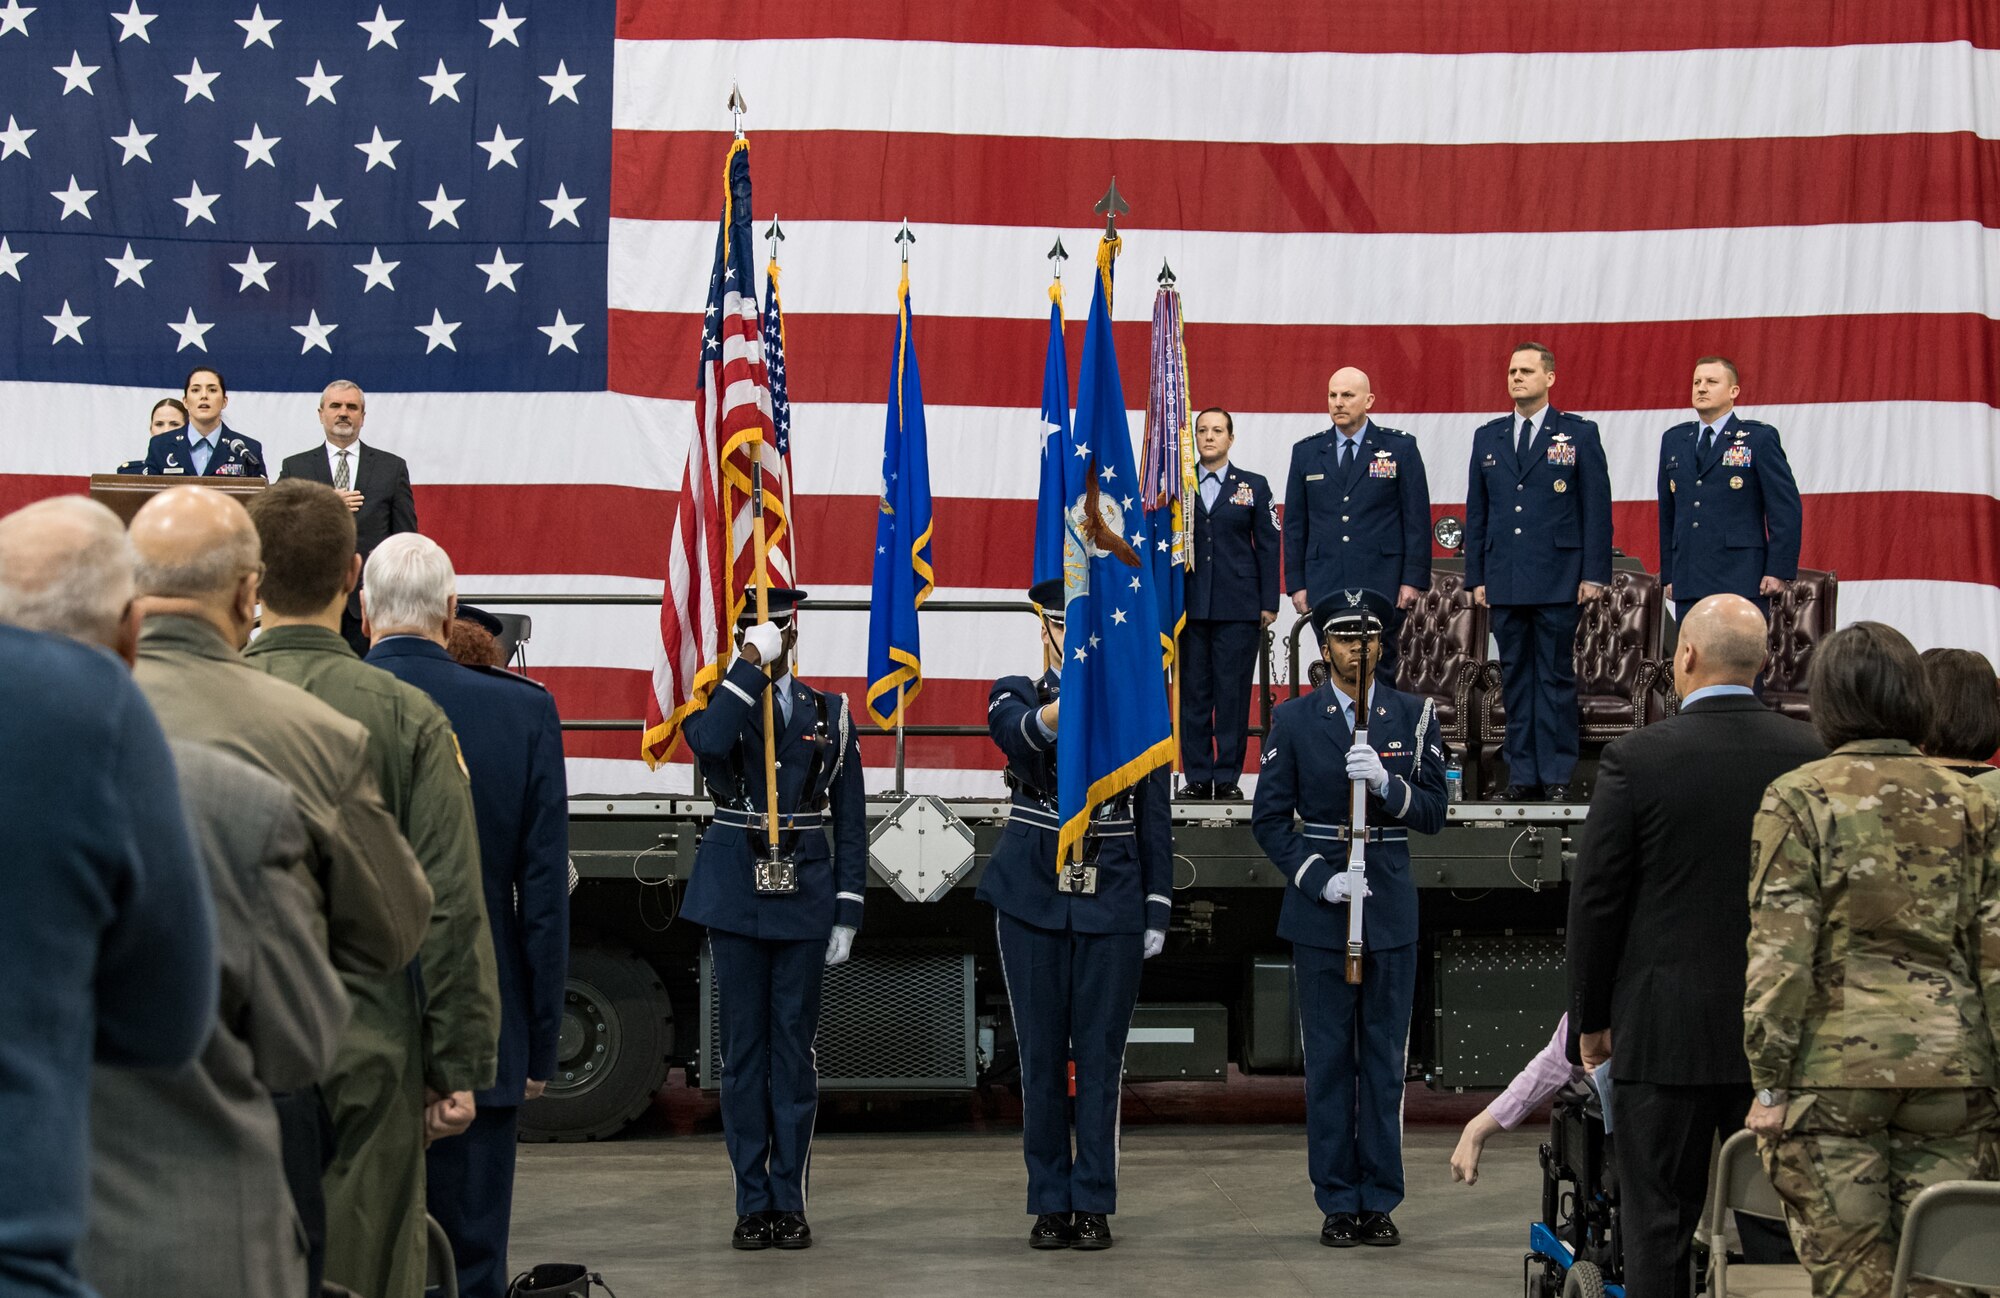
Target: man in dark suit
x,y
1729,509
1232,596
511,738
1658,920
374,483
206,447
1537,547
776,913
1358,511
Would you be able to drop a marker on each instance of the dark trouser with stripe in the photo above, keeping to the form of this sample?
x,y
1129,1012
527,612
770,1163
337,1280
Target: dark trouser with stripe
x,y
1538,682
1072,996
469,1188
1218,665
1357,1049
770,1088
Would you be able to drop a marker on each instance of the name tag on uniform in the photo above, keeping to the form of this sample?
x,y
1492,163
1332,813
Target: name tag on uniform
x,y
1381,466
1489,463
173,468
1244,495
1315,477
1737,456
1562,451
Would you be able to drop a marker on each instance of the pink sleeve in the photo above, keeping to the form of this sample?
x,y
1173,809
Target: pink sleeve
x,y
1547,1073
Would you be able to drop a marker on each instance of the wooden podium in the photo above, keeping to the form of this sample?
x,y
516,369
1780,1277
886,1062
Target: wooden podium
x,y
124,493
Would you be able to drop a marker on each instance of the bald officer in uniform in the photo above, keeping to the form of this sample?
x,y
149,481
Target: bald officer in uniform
x,y
775,922
1071,949
1729,509
1537,548
1356,1038
1358,511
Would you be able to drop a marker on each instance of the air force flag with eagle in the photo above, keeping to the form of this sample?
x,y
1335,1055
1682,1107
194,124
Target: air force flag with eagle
x,y
1115,726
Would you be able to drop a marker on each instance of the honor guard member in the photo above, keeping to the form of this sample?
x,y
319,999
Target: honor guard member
x,y
1729,509
776,914
1232,597
1358,511
1071,948
1537,546
1356,1037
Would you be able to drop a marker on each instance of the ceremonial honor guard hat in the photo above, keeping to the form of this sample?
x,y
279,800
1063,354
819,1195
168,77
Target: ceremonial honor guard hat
x,y
782,600
1048,597
480,617
1354,612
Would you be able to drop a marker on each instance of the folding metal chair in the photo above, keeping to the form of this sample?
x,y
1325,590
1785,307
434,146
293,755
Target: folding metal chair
x,y
1739,1184
1951,1235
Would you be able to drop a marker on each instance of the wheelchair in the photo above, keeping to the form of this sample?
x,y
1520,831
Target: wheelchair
x,y
1573,1251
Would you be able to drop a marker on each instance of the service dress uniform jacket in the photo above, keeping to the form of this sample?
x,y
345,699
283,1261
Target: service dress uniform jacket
x,y
235,456
768,951
188,1194
1368,526
1730,518
436,1025
1071,961
1233,583
1535,530
511,737
1355,1037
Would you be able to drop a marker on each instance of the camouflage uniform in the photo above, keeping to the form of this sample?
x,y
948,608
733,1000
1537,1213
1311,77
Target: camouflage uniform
x,y
1874,988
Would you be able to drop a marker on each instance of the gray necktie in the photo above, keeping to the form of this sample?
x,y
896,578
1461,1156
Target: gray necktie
x,y
784,705
201,454
340,471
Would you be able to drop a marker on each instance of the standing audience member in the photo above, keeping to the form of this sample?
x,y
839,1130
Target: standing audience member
x,y
512,739
188,1188
199,566
1964,703
207,447
1654,914
418,1047
1874,970
107,935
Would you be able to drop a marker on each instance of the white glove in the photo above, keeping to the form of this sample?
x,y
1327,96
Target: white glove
x,y
1363,763
1156,942
1341,887
766,639
839,946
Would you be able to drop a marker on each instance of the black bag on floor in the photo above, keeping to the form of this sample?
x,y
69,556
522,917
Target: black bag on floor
x,y
556,1280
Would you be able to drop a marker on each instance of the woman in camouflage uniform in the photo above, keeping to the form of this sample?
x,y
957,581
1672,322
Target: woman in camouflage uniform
x,y
1965,714
1874,968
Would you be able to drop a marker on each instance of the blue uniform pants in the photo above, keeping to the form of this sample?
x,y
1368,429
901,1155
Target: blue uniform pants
x,y
770,1087
1218,664
1072,996
1357,1050
1538,682
469,1188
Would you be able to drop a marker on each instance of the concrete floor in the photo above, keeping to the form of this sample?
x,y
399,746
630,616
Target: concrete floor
x,y
929,1200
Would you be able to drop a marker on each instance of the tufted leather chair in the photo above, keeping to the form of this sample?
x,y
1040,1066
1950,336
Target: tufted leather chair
x,y
1617,663
1800,618
1443,655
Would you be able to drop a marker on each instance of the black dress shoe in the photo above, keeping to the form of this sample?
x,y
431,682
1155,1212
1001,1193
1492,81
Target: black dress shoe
x,y
1340,1231
1522,793
1092,1231
789,1230
1051,1230
1376,1228
1198,792
752,1232
1555,793
1229,793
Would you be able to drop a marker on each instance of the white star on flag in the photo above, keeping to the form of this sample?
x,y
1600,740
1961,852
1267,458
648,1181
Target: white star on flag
x,y
499,271
1110,472
319,85
562,208
10,261
444,85
500,149
503,28
1118,616
193,333
1093,642
134,142
1083,450
315,334
1081,656
199,206
76,77
133,23
561,334
381,29
197,83
128,268
14,139
377,271
443,210
379,151
74,200
68,325
1135,583
258,147
252,271
14,18
257,28
439,332
319,208
562,83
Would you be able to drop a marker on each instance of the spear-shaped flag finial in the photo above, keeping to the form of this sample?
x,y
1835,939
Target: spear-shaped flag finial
x,y
904,238
736,109
1057,256
1111,207
776,232
1166,276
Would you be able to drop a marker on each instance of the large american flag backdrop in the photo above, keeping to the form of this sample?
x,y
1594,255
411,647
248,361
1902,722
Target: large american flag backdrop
x,y
1810,188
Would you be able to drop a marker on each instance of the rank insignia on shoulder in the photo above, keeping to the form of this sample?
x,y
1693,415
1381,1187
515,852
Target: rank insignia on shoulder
x,y
1561,486
1736,484
1274,514
1270,754
1244,495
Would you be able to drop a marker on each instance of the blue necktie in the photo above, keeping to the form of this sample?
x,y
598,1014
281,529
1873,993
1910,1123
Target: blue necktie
x,y
1527,439
201,455
1707,441
784,704
1211,487
1347,453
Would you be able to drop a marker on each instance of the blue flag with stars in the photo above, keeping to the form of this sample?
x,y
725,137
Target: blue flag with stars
x,y
1115,727
903,579
1051,500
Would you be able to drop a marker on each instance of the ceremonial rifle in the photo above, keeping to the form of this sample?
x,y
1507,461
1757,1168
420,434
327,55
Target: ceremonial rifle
x,y
1357,831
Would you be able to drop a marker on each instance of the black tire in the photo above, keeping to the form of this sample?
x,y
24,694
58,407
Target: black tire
x,y
1584,1281
617,1032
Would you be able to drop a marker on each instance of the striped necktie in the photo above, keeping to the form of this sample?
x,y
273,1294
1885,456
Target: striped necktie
x,y
340,471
